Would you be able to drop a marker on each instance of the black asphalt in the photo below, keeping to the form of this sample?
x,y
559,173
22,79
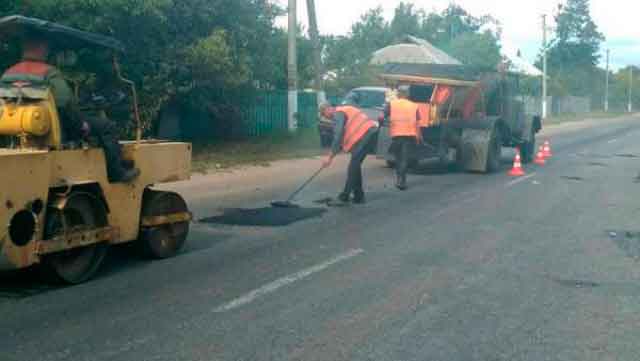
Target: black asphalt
x,y
459,267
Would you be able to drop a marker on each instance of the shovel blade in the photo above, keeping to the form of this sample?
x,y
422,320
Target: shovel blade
x,y
284,204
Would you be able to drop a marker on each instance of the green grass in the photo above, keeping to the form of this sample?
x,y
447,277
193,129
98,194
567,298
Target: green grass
x,y
256,151
579,117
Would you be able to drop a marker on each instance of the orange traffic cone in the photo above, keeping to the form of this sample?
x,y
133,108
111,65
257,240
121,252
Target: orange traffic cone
x,y
546,149
539,157
517,170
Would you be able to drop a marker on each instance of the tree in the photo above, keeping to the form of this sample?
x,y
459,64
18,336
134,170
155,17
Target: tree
x,y
619,89
442,28
578,38
479,49
184,50
574,56
349,55
369,34
406,21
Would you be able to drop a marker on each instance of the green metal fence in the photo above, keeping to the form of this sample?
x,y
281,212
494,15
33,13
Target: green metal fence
x,y
266,113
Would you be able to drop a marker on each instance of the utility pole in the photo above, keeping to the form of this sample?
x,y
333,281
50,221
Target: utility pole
x,y
317,56
630,104
544,66
606,86
292,69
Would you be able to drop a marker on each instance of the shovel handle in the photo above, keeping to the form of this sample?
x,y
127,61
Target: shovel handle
x,y
294,194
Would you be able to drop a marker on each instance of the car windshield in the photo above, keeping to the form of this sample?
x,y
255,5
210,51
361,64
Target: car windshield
x,y
366,98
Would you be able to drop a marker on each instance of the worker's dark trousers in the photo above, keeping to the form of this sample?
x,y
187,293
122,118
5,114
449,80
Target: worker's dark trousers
x,y
403,149
104,130
354,172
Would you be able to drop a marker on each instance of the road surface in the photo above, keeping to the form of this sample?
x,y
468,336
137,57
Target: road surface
x,y
459,267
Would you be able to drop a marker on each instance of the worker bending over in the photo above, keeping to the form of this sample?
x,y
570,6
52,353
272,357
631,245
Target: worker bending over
x,y
354,132
403,117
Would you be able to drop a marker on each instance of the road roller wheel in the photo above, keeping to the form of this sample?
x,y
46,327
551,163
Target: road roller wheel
x,y
166,240
79,264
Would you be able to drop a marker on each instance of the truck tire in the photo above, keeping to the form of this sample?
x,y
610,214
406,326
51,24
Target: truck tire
x,y
528,149
494,156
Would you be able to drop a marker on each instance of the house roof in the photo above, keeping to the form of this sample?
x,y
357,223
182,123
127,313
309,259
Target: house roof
x,y
412,50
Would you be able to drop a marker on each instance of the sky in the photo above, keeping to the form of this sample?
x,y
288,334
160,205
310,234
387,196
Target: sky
x,y
520,19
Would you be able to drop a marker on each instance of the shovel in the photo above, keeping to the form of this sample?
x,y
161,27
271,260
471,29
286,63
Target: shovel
x,y
288,203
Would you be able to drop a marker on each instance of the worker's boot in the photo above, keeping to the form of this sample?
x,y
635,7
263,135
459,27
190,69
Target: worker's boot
x,y
401,182
127,175
116,171
341,201
358,198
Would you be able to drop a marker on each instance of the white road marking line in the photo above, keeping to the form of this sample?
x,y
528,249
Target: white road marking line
x,y
521,179
612,140
284,281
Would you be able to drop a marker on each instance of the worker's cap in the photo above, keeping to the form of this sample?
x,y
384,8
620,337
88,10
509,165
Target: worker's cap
x,y
403,90
324,106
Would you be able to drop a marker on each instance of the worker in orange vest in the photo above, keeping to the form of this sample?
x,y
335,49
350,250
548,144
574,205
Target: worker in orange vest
x,y
404,126
355,133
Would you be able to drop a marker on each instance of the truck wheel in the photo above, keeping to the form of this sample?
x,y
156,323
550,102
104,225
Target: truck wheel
x,y
166,240
79,264
528,149
494,158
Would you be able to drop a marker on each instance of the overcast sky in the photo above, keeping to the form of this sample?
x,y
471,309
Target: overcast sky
x,y
521,21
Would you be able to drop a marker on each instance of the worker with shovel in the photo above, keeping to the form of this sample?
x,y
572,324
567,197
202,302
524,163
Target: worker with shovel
x,y
355,133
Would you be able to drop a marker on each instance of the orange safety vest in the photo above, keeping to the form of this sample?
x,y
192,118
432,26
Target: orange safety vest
x,y
356,126
403,118
425,116
28,70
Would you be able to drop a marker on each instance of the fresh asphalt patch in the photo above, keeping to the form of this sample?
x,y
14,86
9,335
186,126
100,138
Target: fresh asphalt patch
x,y
265,217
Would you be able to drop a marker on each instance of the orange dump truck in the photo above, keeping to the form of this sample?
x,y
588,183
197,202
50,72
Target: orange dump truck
x,y
467,111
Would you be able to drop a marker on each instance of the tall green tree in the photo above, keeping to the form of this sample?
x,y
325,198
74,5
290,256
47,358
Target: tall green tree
x,y
578,38
369,34
443,27
407,20
574,56
478,49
